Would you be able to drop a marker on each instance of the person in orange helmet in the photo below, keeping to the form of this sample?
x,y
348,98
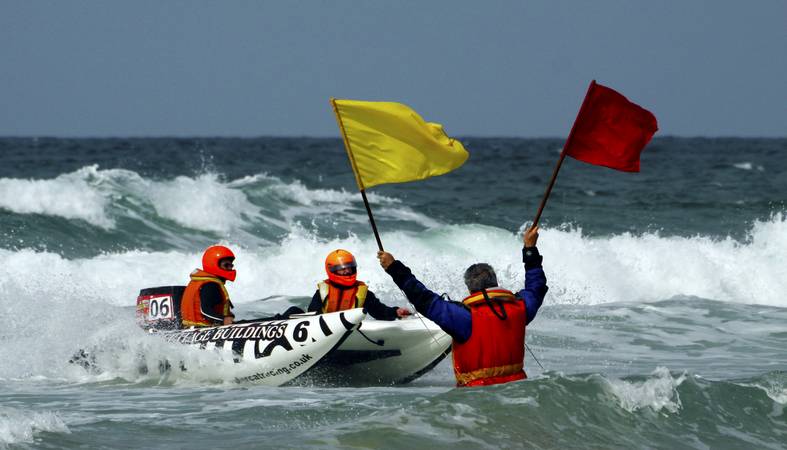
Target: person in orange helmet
x,y
343,291
205,301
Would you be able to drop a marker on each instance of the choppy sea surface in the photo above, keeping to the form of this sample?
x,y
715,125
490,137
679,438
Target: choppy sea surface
x,y
665,325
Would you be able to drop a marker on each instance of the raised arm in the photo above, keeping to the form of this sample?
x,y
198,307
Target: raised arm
x,y
535,281
452,317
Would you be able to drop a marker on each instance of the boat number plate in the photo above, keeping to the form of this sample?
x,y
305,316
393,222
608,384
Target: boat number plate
x,y
160,308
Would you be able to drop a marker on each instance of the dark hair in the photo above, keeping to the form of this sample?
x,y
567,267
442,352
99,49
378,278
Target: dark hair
x,y
480,276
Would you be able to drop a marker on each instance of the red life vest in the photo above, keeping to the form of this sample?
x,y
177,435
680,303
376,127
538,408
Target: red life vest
x,y
495,352
338,298
190,305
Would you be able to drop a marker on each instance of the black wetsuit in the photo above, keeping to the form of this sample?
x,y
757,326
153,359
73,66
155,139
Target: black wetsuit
x,y
210,297
372,305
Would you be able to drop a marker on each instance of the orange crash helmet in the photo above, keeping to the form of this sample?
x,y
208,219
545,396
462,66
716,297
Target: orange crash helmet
x,y
211,258
339,261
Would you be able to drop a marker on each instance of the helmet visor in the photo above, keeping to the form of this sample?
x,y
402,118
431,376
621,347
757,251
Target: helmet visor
x,y
226,263
341,268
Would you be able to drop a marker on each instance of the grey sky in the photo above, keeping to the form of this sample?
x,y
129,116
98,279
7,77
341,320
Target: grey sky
x,y
483,68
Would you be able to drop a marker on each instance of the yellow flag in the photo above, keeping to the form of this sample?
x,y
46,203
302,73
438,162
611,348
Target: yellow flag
x,y
390,143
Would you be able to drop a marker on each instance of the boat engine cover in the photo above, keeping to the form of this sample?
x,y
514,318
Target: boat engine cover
x,y
159,307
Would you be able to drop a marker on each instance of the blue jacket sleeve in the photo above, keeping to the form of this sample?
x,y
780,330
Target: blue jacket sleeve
x,y
452,317
535,282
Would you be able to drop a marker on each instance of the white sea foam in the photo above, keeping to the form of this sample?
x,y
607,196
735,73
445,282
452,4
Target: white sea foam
x,y
51,322
204,202
748,166
774,389
743,165
580,269
78,301
779,396
657,392
20,426
75,195
651,267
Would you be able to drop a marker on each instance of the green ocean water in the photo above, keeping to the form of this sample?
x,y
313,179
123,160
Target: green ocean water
x,y
664,326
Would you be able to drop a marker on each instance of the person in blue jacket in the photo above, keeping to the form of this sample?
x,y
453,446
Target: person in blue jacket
x,y
488,326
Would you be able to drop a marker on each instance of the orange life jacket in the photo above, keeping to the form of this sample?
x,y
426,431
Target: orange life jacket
x,y
495,352
338,298
190,305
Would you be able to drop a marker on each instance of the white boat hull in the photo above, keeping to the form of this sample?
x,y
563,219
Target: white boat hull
x,y
383,353
341,348
272,352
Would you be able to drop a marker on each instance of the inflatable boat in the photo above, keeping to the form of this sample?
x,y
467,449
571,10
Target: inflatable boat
x,y
271,352
268,352
384,352
340,348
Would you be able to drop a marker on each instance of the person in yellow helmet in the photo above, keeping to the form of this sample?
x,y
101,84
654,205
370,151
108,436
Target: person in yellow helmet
x,y
205,301
341,290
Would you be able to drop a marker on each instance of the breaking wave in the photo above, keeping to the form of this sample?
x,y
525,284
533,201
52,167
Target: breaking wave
x,y
18,426
580,269
124,207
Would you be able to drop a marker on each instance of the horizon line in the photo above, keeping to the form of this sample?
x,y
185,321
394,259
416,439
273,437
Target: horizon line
x,y
306,136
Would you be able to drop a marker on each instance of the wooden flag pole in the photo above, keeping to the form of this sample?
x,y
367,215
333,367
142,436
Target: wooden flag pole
x,y
355,172
560,160
549,188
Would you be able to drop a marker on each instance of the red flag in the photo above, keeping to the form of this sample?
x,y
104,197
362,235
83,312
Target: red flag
x,y
610,130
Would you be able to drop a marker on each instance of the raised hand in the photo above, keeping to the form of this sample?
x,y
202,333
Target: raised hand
x,y
530,237
386,259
